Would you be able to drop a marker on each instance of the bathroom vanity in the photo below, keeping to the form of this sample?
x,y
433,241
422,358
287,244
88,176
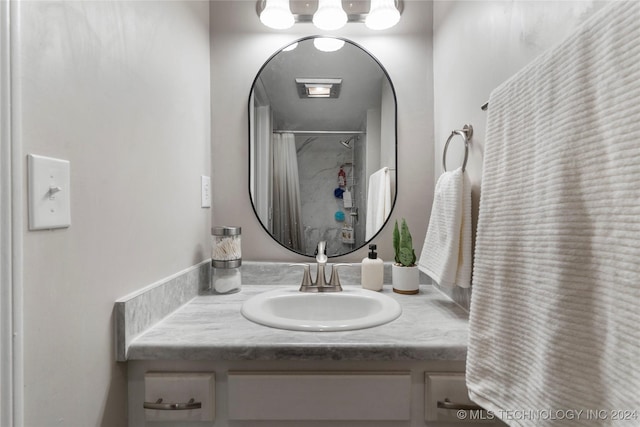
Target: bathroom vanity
x,y
246,374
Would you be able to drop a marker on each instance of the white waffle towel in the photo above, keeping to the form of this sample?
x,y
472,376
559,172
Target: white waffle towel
x,y
378,201
555,318
446,253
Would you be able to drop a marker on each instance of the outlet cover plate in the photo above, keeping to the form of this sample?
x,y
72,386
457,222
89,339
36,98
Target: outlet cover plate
x,y
205,191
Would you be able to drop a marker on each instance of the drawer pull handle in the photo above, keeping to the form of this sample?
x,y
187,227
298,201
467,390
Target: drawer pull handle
x,y
447,404
191,404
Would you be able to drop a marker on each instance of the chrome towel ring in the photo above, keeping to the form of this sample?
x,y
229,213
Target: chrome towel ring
x,y
466,133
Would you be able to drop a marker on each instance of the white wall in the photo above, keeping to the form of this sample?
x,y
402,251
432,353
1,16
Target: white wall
x,y
121,89
240,44
10,344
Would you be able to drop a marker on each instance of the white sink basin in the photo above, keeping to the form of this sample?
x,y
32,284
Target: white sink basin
x,y
331,311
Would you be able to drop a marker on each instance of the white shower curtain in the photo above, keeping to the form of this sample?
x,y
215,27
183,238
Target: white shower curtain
x,y
287,211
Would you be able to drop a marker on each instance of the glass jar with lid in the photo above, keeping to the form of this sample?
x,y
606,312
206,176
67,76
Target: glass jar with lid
x,y
226,259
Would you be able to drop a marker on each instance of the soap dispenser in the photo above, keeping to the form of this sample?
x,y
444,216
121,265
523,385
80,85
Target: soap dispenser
x,y
372,270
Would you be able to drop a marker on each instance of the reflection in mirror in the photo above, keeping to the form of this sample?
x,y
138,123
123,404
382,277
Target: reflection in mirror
x,y
322,145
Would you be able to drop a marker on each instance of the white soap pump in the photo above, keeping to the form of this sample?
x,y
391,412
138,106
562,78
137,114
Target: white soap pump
x,y
372,275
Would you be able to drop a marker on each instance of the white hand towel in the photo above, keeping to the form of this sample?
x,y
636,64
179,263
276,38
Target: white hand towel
x,y
378,201
446,253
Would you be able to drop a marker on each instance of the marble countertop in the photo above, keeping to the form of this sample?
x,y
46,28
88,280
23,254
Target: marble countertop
x,y
211,327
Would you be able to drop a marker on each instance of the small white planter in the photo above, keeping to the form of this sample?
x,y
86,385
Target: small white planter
x,y
405,279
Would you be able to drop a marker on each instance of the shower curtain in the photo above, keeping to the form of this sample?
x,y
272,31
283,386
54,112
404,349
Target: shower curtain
x,y
287,211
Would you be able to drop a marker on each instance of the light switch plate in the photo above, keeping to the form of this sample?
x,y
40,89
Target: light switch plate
x,y
205,191
49,192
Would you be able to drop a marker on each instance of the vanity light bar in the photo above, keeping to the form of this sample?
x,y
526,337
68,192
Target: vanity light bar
x,y
303,11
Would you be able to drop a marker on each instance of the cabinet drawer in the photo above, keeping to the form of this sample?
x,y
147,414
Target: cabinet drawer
x,y
164,391
319,396
452,387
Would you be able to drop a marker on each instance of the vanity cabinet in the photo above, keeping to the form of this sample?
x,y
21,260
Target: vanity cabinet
x,y
447,402
391,375
312,393
179,396
319,396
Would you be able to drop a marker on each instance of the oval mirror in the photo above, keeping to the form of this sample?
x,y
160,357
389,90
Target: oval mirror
x,y
322,146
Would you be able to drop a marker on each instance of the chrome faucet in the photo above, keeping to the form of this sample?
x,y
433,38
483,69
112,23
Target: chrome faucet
x,y
320,284
321,261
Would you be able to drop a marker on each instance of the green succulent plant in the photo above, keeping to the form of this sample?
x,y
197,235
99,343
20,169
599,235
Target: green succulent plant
x,y
403,245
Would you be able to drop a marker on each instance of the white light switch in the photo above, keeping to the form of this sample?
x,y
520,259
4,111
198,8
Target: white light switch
x,y
49,192
205,190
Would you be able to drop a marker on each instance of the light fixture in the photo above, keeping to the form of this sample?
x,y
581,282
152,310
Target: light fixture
x,y
318,88
330,15
327,44
382,15
277,15
318,91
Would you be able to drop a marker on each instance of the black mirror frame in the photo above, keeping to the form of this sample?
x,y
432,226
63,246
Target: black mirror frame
x,y
249,108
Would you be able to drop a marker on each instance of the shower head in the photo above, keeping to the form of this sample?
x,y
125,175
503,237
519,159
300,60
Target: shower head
x,y
347,142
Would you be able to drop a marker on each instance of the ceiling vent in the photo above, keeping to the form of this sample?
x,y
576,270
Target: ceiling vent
x,y
318,88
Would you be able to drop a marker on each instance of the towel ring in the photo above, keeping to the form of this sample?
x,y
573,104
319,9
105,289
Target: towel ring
x,y
466,132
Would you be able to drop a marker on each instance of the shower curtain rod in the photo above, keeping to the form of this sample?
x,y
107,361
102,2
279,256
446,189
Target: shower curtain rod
x,y
326,132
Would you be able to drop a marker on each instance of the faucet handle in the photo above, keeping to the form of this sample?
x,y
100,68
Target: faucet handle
x,y
306,275
335,280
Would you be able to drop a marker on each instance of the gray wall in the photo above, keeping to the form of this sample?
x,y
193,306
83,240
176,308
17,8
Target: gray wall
x,y
121,89
240,44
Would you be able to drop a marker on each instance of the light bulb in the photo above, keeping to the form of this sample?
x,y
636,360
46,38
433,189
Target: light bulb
x,y
277,15
383,14
290,47
330,15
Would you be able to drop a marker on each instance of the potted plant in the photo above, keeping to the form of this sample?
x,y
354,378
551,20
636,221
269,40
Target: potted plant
x,y
405,273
